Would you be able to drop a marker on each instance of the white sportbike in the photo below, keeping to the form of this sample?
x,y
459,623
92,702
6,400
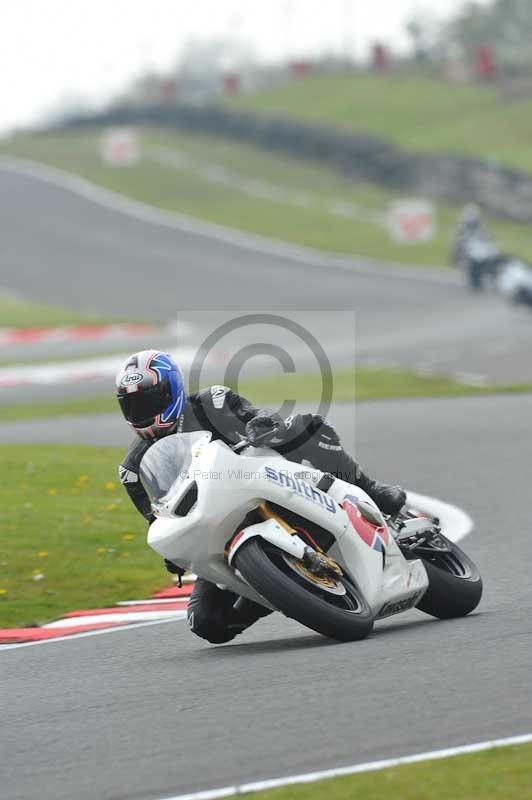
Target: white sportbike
x,y
296,540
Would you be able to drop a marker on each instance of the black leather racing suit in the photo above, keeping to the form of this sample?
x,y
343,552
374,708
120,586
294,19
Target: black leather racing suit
x,y
224,413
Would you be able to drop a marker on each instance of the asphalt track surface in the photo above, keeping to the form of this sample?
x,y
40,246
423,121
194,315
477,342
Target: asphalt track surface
x,y
63,248
152,712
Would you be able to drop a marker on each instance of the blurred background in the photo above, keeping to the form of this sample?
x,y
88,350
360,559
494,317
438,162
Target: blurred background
x,y
399,136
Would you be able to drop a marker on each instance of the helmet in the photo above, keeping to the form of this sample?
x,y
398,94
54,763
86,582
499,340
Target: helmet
x,y
151,393
471,217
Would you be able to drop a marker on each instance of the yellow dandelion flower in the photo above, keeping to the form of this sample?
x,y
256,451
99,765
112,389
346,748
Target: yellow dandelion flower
x,y
128,537
101,549
52,491
43,554
110,507
110,485
3,592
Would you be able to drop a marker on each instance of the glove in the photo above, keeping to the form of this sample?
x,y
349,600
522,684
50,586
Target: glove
x,y
267,428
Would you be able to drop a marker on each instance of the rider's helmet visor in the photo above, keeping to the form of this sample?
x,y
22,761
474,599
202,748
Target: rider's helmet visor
x,y
142,407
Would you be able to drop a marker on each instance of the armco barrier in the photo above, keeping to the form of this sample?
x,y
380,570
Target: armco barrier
x,y
499,189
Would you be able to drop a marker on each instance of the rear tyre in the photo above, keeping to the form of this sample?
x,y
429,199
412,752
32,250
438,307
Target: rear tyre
x,y
455,585
519,297
346,617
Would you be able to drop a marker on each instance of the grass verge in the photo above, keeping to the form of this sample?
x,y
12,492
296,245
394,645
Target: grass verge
x,y
71,536
15,313
415,111
100,404
348,386
497,774
243,187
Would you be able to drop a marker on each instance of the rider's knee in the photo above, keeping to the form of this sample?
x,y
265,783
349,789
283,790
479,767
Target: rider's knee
x,y
203,625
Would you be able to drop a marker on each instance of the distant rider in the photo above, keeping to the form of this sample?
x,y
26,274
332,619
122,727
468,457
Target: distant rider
x,y
152,396
474,249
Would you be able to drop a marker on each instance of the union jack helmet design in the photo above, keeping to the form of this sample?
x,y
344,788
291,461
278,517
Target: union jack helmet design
x,y
151,393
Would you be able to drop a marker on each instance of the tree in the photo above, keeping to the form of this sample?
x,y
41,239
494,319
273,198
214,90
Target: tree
x,y
506,24
423,29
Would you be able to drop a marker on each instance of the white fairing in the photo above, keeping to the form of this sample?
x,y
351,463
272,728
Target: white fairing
x,y
515,278
480,249
230,486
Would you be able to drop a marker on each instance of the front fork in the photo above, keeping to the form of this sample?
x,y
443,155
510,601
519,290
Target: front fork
x,y
280,533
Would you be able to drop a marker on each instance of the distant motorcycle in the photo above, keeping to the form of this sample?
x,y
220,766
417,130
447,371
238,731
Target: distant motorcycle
x,y
514,281
298,541
478,258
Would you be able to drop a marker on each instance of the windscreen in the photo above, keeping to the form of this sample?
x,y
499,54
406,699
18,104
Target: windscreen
x,y
166,462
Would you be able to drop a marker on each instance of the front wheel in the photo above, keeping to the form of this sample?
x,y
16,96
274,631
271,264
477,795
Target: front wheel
x,y
455,585
334,607
475,276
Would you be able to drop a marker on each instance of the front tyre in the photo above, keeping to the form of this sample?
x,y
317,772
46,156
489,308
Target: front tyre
x,y
475,275
335,608
455,585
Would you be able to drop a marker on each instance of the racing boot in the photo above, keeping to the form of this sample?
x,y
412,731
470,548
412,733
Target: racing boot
x,y
390,499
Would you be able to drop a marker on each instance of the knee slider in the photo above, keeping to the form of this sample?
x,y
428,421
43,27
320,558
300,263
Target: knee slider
x,y
204,626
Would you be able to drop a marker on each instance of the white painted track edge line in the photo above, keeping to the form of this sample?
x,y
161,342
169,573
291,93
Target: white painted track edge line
x,y
210,230
160,602
133,626
118,617
372,766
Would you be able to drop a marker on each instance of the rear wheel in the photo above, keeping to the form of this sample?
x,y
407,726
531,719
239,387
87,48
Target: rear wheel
x,y
332,606
455,585
519,297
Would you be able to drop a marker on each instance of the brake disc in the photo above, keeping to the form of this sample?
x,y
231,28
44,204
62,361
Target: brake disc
x,y
326,582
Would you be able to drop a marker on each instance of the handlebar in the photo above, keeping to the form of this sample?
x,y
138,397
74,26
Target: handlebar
x,y
236,448
247,443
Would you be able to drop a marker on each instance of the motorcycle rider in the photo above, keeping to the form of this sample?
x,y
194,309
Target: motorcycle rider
x,y
152,396
470,225
474,249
